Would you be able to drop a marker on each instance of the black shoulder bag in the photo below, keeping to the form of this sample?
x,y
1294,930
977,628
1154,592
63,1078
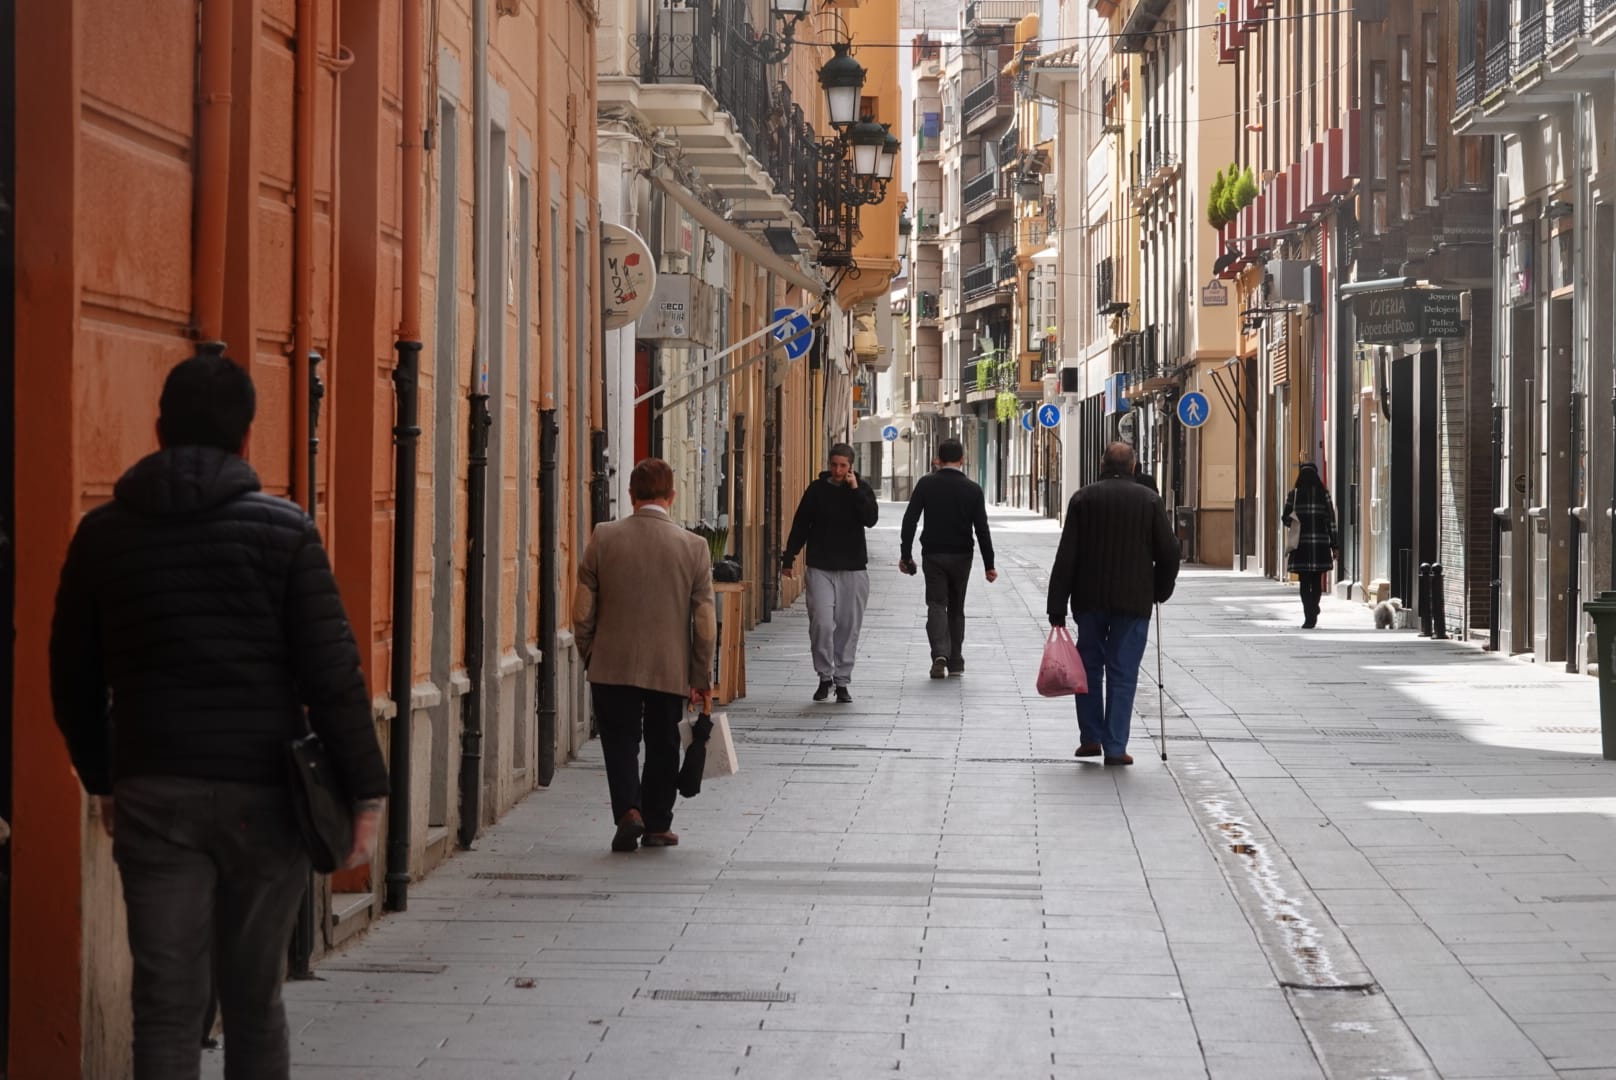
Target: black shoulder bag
x,y
323,810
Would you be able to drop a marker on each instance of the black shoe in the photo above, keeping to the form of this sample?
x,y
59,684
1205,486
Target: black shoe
x,y
939,667
1310,624
956,667
824,690
842,696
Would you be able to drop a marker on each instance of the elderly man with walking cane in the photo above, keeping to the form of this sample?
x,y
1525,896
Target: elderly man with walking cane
x,y
1117,559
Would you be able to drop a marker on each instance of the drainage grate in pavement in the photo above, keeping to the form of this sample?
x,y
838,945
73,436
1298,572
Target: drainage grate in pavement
x,y
403,968
1583,898
556,895
512,875
1568,730
765,996
1380,733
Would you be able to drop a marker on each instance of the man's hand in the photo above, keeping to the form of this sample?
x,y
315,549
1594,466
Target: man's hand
x,y
1057,620
852,480
906,566
105,809
366,824
786,571
701,699
993,575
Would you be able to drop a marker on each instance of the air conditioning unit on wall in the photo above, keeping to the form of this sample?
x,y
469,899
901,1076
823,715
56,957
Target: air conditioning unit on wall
x,y
1296,281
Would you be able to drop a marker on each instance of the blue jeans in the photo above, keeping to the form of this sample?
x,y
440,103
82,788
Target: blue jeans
x,y
1111,647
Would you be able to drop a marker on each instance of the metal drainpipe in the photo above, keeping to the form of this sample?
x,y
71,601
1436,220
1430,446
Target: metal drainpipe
x,y
1501,508
406,435
471,705
484,302
303,932
212,172
549,588
406,439
1495,583
1580,326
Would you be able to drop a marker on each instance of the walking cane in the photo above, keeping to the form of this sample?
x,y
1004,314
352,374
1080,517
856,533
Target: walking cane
x,y
1161,691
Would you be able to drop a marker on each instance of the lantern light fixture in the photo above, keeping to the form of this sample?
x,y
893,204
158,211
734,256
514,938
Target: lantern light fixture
x,y
842,78
867,139
887,160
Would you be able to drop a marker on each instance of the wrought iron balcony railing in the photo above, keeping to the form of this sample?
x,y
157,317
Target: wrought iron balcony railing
x,y
1465,89
1010,143
1007,265
927,306
988,95
1497,73
981,188
981,279
1532,36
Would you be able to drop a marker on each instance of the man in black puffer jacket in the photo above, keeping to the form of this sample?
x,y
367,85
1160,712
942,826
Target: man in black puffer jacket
x,y
1118,558
195,620
830,521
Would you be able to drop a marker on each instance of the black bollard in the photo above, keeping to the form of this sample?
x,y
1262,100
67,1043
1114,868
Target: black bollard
x,y
1425,599
1439,605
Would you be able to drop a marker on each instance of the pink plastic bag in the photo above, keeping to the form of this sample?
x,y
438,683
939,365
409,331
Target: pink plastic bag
x,y
1062,672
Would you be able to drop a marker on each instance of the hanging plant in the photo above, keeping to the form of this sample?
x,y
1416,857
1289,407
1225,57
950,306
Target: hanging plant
x,y
1247,192
1006,406
1214,202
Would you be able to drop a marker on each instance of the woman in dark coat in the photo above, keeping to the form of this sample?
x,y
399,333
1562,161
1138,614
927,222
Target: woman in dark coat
x,y
1315,553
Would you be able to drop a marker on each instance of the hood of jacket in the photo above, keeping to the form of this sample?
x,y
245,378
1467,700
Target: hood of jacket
x,y
183,480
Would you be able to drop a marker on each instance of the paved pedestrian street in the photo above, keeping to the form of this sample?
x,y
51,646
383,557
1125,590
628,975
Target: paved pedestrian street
x,y
1368,855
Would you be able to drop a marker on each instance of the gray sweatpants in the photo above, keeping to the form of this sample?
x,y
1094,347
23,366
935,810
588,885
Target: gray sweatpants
x,y
836,601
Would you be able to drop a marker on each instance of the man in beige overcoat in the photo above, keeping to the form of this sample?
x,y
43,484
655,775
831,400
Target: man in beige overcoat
x,y
644,623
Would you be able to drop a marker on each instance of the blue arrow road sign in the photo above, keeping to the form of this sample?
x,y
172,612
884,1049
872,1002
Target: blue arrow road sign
x,y
1026,421
796,334
1049,415
1193,409
890,433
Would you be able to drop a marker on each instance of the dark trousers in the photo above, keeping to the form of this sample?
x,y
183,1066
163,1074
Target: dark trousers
x,y
947,575
1312,588
627,714
1112,647
212,876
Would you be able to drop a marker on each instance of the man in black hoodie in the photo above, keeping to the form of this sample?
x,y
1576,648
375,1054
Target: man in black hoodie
x,y
830,521
954,507
196,619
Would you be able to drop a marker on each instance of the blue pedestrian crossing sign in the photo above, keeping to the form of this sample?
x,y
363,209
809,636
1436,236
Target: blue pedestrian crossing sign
x,y
796,333
1193,409
1026,421
890,433
1049,415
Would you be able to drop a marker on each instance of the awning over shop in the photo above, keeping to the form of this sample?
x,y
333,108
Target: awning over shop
x,y
739,239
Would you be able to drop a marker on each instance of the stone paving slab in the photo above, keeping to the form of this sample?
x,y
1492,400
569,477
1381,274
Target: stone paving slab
x,y
1368,854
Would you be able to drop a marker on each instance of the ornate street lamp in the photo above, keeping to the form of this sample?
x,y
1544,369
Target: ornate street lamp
x,y
842,78
772,48
867,139
888,158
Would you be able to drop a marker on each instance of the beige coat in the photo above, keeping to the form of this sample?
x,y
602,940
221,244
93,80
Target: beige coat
x,y
643,614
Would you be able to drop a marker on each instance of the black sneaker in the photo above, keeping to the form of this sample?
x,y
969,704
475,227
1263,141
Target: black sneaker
x,y
824,690
956,667
939,667
842,696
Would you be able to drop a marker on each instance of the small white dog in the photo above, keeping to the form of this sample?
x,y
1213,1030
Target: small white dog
x,y
1386,613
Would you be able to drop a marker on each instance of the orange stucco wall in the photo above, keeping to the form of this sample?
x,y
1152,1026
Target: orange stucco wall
x,y
106,186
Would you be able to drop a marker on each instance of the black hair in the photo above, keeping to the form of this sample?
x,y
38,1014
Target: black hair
x,y
841,450
950,451
1307,476
207,400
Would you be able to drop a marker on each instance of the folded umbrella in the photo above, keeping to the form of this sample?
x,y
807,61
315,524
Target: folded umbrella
x,y
695,756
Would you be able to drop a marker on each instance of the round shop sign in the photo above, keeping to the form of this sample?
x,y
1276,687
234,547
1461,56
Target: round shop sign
x,y
628,276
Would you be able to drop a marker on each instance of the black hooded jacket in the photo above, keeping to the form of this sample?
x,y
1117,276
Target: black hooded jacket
x,y
195,619
830,520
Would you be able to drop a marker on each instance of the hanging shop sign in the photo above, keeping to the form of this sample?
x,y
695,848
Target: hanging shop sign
x,y
628,276
1402,315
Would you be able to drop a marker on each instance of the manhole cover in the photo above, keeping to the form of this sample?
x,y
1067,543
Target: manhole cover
x,y
723,995
512,875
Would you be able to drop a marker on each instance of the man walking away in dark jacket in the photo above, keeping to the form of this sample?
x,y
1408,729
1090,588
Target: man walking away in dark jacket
x,y
830,522
953,506
195,620
1117,559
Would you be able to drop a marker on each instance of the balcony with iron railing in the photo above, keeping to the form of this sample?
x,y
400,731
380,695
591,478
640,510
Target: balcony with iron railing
x,y
927,307
987,101
928,222
1007,266
1571,26
982,189
980,280
1010,143
699,71
980,14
